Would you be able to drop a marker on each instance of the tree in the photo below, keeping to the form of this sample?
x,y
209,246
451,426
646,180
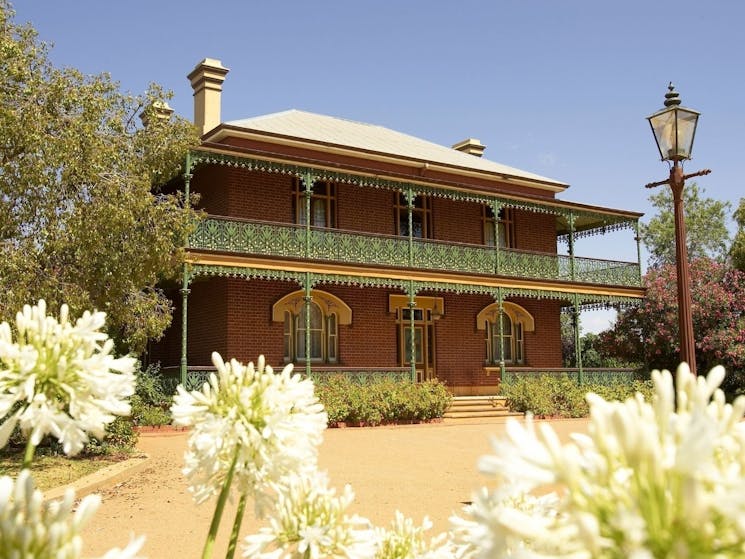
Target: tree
x,y
737,251
80,219
706,228
594,354
649,332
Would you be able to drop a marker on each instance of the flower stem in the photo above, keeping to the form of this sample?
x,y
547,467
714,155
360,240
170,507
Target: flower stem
x,y
219,508
236,527
28,456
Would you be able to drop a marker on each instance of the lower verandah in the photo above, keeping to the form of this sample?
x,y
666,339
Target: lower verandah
x,y
456,336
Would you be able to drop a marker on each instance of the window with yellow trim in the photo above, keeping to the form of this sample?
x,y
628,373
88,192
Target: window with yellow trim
x,y
510,346
317,339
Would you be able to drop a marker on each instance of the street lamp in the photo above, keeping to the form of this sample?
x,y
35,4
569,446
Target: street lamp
x,y
674,128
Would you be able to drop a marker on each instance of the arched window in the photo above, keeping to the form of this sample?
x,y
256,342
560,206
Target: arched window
x,y
510,348
322,330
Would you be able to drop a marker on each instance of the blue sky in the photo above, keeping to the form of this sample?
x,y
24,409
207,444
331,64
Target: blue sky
x,y
560,88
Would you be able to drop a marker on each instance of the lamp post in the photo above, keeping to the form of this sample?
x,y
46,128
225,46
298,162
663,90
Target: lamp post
x,y
674,128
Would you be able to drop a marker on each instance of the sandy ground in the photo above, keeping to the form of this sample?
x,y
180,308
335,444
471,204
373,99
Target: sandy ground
x,y
421,470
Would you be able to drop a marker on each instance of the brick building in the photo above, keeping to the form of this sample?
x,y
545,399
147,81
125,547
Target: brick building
x,y
347,247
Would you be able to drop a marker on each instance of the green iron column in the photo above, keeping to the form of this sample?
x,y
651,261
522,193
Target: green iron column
x,y
496,208
572,272
638,239
577,340
183,365
308,301
308,180
410,195
412,330
500,306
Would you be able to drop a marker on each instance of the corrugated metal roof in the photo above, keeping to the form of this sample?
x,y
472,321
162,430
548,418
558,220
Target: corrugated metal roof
x,y
369,137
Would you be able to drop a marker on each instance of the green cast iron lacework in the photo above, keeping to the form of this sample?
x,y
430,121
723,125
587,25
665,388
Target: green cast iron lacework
x,y
595,376
363,376
358,249
195,377
284,240
197,157
249,237
456,258
245,273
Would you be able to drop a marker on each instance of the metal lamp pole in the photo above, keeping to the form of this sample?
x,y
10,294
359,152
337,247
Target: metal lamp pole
x,y
674,128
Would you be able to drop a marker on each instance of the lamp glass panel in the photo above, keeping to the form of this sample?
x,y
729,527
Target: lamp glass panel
x,y
686,130
663,126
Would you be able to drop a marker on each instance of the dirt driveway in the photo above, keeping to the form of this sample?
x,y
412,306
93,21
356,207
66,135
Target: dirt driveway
x,y
421,470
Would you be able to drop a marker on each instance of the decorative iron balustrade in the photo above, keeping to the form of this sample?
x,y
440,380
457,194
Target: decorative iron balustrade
x,y
195,377
349,247
363,375
604,376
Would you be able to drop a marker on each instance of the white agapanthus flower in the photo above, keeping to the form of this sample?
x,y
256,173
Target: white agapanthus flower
x,y
269,424
406,540
61,379
30,528
649,480
309,521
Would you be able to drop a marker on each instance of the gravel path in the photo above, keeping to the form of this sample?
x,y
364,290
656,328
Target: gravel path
x,y
421,470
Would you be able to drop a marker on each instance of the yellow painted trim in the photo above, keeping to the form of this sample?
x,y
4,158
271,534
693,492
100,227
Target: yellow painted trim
x,y
513,310
330,304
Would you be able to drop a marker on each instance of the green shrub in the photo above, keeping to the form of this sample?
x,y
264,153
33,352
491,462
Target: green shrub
x,y
561,396
151,402
381,401
121,437
334,394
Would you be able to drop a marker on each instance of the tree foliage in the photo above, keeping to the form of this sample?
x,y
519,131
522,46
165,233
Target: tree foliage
x,y
737,252
706,227
594,354
80,219
650,332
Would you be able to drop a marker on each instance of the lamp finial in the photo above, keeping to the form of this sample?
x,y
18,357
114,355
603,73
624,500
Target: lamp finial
x,y
672,97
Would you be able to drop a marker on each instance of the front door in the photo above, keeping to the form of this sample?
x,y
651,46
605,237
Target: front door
x,y
424,342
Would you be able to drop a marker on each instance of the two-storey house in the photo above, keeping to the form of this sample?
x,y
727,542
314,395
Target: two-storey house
x,y
347,247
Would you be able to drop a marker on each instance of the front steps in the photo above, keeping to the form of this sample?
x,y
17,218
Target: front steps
x,y
481,407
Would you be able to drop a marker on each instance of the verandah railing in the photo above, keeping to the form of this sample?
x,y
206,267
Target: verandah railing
x,y
196,376
588,375
351,247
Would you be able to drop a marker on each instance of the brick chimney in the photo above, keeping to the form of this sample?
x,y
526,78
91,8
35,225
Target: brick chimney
x,y
470,145
206,81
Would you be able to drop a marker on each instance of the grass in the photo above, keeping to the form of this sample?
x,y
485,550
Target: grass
x,y
52,471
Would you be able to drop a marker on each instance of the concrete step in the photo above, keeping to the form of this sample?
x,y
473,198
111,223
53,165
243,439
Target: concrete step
x,y
463,407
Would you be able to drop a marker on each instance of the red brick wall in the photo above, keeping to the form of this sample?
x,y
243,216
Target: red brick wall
x,y
251,330
246,194
456,221
365,209
535,231
207,330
